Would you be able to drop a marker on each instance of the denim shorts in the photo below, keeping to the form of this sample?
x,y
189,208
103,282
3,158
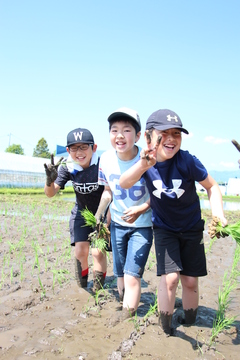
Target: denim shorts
x,y
130,249
180,251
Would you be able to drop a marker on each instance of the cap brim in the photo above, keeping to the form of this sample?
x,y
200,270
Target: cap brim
x,y
165,127
116,115
80,142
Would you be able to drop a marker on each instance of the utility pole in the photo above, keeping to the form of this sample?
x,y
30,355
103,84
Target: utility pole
x,y
9,139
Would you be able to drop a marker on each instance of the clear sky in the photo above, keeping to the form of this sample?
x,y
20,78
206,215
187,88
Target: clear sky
x,y
68,64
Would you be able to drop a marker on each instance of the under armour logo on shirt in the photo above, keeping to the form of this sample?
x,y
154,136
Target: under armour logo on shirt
x,y
176,188
169,118
78,135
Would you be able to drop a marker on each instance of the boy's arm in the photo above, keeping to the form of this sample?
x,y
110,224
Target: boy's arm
x,y
51,190
106,198
132,175
215,198
132,213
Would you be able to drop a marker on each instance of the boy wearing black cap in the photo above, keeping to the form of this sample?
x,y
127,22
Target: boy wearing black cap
x,y
170,174
81,169
131,226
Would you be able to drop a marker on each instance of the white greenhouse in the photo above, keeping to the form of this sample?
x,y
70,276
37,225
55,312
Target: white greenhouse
x,y
21,171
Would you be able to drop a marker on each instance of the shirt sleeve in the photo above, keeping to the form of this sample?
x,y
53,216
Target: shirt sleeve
x,y
102,180
63,176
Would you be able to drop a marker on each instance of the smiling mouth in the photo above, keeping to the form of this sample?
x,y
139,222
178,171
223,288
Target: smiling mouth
x,y
120,143
169,147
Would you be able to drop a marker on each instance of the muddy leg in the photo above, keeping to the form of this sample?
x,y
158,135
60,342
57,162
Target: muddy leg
x,y
165,322
98,281
190,316
81,280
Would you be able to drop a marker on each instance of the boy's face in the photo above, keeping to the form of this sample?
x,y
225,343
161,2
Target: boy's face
x,y
82,153
123,136
169,145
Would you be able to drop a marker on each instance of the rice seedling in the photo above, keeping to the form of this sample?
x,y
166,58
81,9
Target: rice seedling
x,y
219,325
151,261
101,235
46,263
11,274
216,229
221,321
21,271
152,309
3,277
43,293
58,274
12,247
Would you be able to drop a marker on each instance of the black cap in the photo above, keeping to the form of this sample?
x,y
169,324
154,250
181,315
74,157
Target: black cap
x,y
80,136
164,119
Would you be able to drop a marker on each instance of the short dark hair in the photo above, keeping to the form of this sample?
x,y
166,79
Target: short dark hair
x,y
127,120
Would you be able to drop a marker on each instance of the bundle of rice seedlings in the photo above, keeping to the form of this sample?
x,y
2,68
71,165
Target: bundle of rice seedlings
x,y
215,228
100,237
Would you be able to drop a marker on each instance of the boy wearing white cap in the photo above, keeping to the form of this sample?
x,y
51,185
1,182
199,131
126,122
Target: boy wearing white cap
x,y
131,225
170,174
81,169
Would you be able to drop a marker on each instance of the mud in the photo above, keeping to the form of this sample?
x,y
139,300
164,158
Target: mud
x,y
45,315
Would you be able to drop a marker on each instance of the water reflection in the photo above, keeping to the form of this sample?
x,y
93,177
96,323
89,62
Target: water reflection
x,y
227,205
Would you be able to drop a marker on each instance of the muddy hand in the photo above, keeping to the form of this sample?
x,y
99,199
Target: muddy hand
x,y
52,170
212,228
145,154
236,144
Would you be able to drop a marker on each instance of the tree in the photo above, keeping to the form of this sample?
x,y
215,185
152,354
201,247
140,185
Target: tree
x,y
41,150
15,149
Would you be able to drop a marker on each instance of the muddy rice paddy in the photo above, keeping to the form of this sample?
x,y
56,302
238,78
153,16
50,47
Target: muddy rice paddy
x,y
45,315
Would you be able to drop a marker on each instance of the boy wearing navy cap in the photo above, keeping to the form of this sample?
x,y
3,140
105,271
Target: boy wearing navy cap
x,y
170,174
81,169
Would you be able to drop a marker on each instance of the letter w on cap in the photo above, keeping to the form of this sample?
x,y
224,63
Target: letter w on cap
x,y
169,118
78,135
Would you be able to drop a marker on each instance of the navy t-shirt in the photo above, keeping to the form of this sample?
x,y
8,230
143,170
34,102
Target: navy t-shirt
x,y
171,184
85,183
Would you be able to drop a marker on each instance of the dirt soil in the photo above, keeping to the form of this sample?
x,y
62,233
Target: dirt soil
x,y
45,315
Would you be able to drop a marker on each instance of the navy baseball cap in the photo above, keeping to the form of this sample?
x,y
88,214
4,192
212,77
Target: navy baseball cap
x,y
127,113
80,136
164,119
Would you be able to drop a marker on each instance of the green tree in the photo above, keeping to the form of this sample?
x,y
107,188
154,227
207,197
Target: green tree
x,y
41,150
15,149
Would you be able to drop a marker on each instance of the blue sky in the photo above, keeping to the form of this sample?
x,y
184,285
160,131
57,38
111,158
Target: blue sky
x,y
69,64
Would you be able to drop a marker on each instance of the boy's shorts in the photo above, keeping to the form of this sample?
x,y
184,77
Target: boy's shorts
x,y
181,251
130,249
79,231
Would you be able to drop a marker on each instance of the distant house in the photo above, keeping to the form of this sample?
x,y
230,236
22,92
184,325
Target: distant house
x,y
233,186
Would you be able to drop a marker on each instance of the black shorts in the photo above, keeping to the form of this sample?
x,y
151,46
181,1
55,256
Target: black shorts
x,y
79,231
181,251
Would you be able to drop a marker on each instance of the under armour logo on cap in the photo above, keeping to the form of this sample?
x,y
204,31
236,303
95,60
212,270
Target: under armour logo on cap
x,y
164,119
80,135
169,118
